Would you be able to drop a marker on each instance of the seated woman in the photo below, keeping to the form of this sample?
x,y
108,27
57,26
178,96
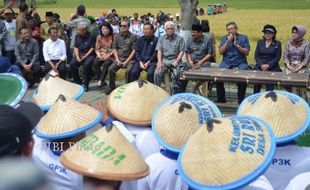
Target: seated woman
x,y
297,54
104,53
267,54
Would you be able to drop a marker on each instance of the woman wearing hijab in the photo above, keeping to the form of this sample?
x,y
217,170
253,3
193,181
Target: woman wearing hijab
x,y
267,54
297,54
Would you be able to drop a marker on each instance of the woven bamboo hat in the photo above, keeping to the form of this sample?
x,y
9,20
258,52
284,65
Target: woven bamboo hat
x,y
135,102
106,154
67,118
227,153
179,116
50,88
287,113
13,88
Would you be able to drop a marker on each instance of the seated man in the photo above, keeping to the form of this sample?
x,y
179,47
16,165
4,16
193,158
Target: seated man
x,y
27,56
123,48
234,47
170,49
84,48
54,52
199,51
146,54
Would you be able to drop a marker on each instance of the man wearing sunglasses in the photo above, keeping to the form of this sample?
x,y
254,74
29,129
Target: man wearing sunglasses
x,y
123,48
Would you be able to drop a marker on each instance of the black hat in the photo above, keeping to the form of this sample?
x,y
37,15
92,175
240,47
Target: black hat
x,y
49,14
196,27
16,126
269,28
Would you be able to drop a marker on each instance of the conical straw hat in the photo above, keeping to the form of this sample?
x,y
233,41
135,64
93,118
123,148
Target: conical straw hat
x,y
135,102
287,113
106,154
67,118
51,87
227,153
13,88
178,117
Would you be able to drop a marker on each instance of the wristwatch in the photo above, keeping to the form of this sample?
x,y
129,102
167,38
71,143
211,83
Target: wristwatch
x,y
237,45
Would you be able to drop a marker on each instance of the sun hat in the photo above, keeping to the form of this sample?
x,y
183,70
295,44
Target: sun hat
x,y
13,88
8,11
177,118
227,153
50,88
134,103
106,154
286,113
67,118
269,28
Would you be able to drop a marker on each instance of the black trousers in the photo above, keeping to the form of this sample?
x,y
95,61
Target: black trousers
x,y
113,70
61,68
136,70
220,91
87,66
34,75
101,74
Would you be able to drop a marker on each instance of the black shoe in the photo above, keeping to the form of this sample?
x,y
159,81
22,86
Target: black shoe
x,y
221,100
109,92
86,88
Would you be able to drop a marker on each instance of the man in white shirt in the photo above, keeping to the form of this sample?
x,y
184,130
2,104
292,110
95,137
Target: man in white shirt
x,y
54,52
10,39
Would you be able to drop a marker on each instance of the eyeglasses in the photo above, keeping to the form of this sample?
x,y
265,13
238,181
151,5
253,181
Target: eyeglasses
x,y
123,26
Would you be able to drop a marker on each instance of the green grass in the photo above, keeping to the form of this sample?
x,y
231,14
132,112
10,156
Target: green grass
x,y
236,4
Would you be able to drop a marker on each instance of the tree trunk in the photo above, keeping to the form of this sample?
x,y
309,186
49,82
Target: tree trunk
x,y
188,8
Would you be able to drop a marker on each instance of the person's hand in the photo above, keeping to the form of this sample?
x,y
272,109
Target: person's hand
x,y
119,63
125,63
199,63
83,58
298,68
175,64
57,65
146,65
30,66
25,66
230,37
103,108
78,59
264,67
141,65
191,63
290,68
159,66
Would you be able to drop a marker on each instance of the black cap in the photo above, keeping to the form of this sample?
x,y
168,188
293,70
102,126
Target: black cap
x,y
269,28
49,14
196,27
16,126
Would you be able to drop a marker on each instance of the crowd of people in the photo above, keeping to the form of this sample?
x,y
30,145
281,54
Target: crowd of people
x,y
86,48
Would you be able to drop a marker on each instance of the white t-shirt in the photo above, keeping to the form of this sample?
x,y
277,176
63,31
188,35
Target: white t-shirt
x,y
60,178
163,175
288,162
10,39
300,182
261,183
146,143
144,140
